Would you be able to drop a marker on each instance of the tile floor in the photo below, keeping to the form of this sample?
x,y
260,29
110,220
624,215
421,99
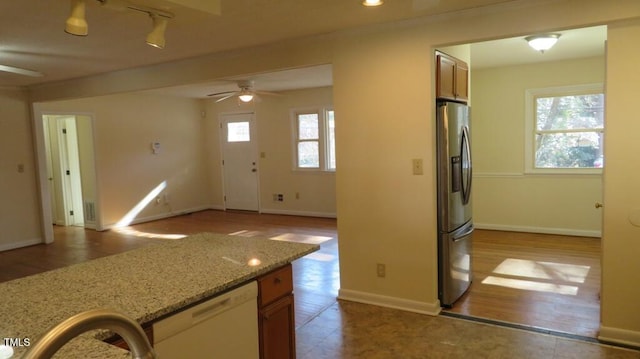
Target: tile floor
x,y
353,330
332,329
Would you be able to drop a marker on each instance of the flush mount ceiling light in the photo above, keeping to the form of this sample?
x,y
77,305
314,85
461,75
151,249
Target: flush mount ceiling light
x,y
372,2
156,36
542,42
76,24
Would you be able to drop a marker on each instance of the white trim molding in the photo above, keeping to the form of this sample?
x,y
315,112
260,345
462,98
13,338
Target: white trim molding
x,y
390,302
20,244
543,230
299,213
619,336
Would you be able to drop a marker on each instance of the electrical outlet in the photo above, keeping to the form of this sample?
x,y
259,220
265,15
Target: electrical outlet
x,y
280,197
418,168
381,270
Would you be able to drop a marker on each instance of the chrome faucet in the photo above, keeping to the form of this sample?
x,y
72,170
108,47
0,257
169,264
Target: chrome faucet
x,y
60,334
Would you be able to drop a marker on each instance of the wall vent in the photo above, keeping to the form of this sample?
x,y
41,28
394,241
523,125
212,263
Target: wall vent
x,y
89,211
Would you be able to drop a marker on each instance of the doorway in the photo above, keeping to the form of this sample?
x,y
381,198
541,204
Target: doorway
x,y
509,199
68,140
239,161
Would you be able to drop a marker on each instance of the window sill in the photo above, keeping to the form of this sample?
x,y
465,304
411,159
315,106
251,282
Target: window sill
x,y
564,171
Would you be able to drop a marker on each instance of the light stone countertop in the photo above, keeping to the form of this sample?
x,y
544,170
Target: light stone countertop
x,y
145,284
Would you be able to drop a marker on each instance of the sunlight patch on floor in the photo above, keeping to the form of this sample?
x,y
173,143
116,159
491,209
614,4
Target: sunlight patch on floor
x,y
320,257
245,233
133,232
531,285
543,270
301,238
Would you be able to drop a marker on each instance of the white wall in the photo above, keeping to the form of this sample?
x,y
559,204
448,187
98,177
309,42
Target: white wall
x,y
505,198
19,203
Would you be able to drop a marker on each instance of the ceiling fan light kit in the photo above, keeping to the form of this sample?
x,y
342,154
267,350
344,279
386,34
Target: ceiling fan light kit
x,y
245,93
77,25
246,96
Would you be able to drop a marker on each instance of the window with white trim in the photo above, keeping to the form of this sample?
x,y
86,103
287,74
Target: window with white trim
x,y
314,134
565,129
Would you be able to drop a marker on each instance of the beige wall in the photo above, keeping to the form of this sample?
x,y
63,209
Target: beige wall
x,y
127,171
317,196
385,214
621,230
506,198
19,203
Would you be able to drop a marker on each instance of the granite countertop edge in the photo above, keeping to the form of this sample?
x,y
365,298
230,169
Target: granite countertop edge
x,y
146,284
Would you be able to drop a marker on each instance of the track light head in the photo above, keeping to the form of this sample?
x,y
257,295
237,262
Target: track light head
x,y
156,36
76,24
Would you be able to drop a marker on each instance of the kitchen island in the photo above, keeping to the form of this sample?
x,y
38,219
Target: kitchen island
x,y
145,284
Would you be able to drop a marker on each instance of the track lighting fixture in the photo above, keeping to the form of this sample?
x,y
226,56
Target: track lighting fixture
x,y
156,36
76,23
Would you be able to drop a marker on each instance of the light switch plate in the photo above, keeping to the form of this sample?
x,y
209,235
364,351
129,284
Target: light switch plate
x,y
418,168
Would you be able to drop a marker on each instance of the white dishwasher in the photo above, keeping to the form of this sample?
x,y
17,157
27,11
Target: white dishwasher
x,y
223,327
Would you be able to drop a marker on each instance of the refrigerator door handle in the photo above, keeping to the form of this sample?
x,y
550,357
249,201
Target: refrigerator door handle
x,y
462,235
466,157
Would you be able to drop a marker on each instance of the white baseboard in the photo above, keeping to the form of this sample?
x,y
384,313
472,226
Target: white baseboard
x,y
298,213
543,230
156,217
619,336
20,244
390,302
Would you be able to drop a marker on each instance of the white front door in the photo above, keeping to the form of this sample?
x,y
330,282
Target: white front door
x,y
239,160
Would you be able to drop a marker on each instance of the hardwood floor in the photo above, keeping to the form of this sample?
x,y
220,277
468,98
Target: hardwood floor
x,y
542,281
542,264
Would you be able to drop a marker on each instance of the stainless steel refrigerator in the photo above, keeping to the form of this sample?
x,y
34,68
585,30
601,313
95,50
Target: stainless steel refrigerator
x,y
455,220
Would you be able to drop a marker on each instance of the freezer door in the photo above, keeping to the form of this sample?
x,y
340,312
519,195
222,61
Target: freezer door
x,y
454,166
454,260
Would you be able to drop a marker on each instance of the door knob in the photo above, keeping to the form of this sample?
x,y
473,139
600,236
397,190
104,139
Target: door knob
x,y
599,205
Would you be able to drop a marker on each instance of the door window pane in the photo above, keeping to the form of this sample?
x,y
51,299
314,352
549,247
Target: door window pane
x,y
238,132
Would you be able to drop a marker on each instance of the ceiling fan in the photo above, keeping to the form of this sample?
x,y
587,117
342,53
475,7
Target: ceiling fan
x,y
245,92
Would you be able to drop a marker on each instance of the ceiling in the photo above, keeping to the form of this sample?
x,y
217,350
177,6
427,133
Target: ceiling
x,y
32,36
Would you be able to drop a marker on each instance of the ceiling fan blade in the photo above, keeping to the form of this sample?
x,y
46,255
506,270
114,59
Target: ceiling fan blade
x,y
225,97
218,94
268,93
19,71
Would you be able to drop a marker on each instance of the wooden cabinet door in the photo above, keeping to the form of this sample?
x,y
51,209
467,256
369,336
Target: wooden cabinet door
x,y
462,81
445,77
277,330
452,78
